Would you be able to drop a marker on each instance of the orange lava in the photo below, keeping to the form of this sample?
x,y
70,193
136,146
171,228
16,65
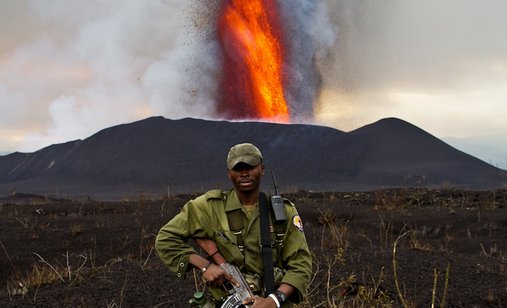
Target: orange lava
x,y
252,84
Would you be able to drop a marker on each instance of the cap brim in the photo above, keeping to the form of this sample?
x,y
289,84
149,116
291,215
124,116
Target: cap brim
x,y
247,159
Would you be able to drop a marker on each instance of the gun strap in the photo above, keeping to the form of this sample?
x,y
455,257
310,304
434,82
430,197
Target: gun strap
x,y
236,224
267,250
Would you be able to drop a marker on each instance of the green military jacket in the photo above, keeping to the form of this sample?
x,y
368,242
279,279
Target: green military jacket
x,y
205,217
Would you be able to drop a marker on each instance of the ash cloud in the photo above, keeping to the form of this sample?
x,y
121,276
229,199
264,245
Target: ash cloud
x,y
310,35
76,66
88,65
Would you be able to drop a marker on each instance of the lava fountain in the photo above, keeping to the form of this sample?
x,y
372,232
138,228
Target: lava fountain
x,y
252,84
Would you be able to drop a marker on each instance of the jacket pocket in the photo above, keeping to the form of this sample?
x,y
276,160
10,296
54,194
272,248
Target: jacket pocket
x,y
227,245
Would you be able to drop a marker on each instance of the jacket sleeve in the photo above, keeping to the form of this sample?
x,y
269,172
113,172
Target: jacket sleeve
x,y
171,242
296,256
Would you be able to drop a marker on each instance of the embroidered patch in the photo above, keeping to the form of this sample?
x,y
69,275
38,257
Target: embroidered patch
x,y
296,220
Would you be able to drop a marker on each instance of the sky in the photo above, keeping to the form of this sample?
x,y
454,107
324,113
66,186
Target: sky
x,y
69,68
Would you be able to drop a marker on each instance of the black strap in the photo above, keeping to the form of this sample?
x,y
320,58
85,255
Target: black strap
x,y
267,251
236,224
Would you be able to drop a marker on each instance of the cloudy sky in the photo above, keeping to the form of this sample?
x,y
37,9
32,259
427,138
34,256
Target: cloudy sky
x,y
69,68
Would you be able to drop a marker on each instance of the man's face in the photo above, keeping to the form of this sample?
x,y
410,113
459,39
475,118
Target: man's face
x,y
246,178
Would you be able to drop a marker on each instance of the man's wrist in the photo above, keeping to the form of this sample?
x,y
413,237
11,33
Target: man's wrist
x,y
276,300
280,297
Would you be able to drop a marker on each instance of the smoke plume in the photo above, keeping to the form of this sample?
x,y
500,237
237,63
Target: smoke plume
x,y
75,67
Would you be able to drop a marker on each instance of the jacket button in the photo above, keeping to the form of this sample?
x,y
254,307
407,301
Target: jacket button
x,y
179,275
182,264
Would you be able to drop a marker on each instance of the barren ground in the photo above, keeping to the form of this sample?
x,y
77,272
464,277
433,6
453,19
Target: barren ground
x,y
453,244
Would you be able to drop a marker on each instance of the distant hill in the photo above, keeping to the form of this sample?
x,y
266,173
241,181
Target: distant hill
x,y
161,156
491,149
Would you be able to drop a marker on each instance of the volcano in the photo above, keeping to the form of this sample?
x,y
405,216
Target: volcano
x,y
162,156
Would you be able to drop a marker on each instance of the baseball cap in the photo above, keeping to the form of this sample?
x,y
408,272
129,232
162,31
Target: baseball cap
x,y
243,153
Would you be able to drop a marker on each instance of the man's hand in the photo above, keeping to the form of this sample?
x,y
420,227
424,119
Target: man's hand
x,y
260,302
216,276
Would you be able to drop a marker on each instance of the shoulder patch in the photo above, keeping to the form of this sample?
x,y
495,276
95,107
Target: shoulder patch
x,y
214,194
297,222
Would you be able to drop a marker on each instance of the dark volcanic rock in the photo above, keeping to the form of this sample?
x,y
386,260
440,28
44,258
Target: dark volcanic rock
x,y
104,252
161,156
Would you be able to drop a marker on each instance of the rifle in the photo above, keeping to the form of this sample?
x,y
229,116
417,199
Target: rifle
x,y
240,292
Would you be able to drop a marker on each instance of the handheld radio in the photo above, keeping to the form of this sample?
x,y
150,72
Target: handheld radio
x,y
277,203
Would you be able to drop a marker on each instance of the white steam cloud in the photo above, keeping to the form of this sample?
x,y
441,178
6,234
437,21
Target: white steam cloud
x,y
310,35
97,63
101,63
69,68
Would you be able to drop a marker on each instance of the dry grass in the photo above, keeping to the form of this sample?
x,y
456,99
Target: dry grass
x,y
406,303
340,291
335,248
347,291
43,272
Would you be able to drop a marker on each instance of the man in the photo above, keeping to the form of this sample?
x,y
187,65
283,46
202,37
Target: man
x,y
216,217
